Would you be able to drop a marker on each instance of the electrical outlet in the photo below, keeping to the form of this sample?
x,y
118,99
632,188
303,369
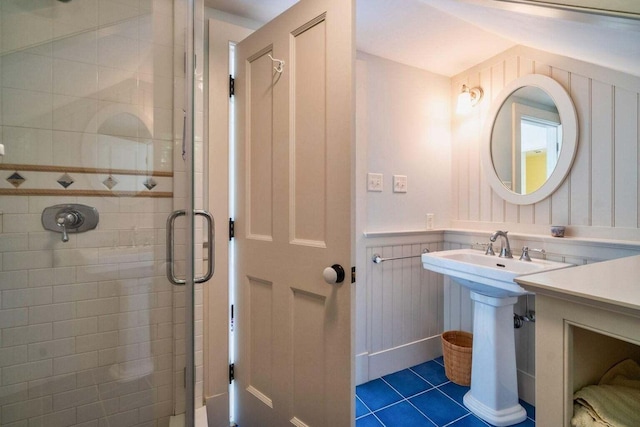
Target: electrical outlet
x,y
374,182
399,183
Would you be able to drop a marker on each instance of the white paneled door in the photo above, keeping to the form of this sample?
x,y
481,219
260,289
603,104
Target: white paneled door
x,y
294,209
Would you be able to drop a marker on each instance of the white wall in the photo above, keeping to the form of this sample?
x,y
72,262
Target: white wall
x,y
402,122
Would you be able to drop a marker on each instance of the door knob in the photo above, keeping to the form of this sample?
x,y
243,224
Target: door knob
x,y
333,274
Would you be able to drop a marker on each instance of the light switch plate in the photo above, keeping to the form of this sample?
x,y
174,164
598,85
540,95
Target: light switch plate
x,y
399,183
374,182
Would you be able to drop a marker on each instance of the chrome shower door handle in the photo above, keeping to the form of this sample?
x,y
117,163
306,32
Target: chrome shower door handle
x,y
170,241
170,244
211,262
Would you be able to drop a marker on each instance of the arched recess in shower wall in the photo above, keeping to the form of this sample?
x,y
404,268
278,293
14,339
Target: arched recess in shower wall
x,y
92,103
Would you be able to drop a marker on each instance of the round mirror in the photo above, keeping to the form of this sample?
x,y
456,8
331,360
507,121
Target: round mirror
x,y
530,139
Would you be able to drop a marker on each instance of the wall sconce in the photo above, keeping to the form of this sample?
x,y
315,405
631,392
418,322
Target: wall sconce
x,y
468,99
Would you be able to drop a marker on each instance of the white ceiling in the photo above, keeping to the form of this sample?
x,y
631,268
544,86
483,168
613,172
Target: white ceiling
x,y
449,36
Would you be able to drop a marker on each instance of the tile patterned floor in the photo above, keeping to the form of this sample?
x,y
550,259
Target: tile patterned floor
x,y
416,397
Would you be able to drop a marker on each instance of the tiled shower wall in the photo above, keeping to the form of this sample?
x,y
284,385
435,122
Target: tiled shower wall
x,y
88,88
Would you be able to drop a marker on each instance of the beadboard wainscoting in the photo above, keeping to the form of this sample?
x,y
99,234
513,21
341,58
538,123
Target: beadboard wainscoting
x,y
599,198
404,304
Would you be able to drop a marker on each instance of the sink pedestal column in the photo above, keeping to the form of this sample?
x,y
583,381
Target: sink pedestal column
x,y
494,382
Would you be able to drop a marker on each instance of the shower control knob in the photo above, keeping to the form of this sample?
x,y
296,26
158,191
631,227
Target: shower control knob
x,y
334,274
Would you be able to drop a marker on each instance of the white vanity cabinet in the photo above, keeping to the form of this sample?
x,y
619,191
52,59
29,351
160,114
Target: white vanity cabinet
x,y
587,320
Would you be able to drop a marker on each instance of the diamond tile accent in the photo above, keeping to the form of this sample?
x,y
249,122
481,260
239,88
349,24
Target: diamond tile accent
x,y
110,182
150,183
16,179
65,180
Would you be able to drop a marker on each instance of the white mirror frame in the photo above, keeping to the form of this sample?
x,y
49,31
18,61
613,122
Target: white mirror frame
x,y
569,121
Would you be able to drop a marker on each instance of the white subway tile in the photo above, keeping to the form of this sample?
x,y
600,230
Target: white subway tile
x,y
118,85
15,298
27,372
13,355
74,114
98,341
121,419
97,273
100,409
26,108
75,257
17,279
52,385
19,223
136,269
41,277
137,302
27,145
51,313
12,242
23,410
46,240
78,19
23,28
99,238
50,349
27,260
119,52
137,400
75,292
113,389
14,393
136,335
14,204
64,275
82,47
75,363
14,317
76,148
26,334
74,78
76,327
63,418
77,397
97,307
27,71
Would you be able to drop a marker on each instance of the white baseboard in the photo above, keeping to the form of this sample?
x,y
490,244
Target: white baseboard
x,y
376,365
201,418
527,387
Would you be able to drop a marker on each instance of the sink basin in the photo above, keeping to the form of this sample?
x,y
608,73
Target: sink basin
x,y
486,274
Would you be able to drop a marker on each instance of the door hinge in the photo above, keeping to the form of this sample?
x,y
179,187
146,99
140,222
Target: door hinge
x,y
232,319
232,228
353,275
232,372
232,86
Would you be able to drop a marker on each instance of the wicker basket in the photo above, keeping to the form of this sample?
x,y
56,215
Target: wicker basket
x,y
456,351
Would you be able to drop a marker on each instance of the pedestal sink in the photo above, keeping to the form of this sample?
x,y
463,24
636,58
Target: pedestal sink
x,y
494,385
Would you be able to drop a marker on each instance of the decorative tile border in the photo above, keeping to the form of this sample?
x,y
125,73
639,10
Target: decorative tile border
x,y
59,180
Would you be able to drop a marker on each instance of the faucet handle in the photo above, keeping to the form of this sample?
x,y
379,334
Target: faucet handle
x,y
525,253
489,250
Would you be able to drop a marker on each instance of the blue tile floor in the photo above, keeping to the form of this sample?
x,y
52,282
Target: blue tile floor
x,y
416,397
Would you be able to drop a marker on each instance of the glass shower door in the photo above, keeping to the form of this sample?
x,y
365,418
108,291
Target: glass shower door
x,y
92,100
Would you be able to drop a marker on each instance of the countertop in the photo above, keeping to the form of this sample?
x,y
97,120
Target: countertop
x,y
613,284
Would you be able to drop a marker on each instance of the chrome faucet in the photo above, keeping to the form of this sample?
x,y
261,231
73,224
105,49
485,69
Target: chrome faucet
x,y
505,248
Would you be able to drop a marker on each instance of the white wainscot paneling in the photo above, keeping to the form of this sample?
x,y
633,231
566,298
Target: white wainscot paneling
x,y
405,310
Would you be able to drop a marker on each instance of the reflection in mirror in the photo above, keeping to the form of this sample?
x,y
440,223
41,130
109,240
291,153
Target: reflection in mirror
x,y
526,140
530,139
